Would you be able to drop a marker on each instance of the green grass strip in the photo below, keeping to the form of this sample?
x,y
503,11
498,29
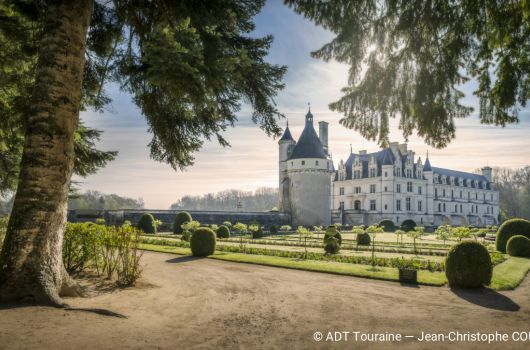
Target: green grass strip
x,y
509,274
357,270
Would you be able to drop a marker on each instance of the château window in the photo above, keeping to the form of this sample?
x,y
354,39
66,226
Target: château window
x,y
316,162
456,208
439,206
386,189
476,195
357,189
357,205
303,162
372,188
386,207
408,204
444,207
372,172
398,188
341,191
461,208
419,206
372,205
419,189
409,186
398,204
460,194
341,206
386,173
436,192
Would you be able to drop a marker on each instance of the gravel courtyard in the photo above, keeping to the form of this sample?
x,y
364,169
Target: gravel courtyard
x,y
187,303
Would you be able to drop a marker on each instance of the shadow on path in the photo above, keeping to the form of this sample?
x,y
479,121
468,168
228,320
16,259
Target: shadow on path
x,y
183,259
487,298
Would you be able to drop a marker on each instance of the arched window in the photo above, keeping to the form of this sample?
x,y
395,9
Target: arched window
x,y
357,205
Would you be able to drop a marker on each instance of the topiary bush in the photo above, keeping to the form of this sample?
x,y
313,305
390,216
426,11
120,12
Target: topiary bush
x,y
273,230
387,225
518,245
223,232
181,218
147,223
202,242
332,240
468,265
363,239
511,228
333,231
408,225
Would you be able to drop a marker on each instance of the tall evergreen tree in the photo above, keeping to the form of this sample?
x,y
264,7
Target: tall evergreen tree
x,y
188,65
408,58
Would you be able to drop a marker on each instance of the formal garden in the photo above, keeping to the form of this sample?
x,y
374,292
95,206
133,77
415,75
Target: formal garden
x,y
498,257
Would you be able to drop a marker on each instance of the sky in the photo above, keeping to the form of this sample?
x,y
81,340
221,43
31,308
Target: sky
x,y
252,159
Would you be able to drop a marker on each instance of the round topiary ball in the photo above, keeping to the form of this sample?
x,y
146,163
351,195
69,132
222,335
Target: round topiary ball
x,y
223,232
387,225
518,245
468,265
147,223
363,239
511,228
181,218
202,242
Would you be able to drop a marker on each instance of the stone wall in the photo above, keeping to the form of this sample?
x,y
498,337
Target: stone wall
x,y
117,217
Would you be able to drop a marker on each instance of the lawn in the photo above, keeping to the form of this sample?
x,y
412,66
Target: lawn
x,y
509,274
358,270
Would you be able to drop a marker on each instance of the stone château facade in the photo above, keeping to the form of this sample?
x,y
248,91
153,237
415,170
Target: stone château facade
x,y
369,187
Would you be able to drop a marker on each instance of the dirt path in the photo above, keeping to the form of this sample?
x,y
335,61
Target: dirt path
x,y
186,303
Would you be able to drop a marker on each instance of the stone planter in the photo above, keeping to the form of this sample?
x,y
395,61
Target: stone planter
x,y
407,275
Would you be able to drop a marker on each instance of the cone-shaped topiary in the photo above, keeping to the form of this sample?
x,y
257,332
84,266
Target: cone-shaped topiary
x,y
181,218
387,225
333,231
363,239
202,242
147,223
511,228
468,265
518,245
223,232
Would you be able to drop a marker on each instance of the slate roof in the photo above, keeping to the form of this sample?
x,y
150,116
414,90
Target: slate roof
x,y
287,135
427,166
455,173
308,145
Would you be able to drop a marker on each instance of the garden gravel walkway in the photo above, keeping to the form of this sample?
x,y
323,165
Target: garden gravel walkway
x,y
187,303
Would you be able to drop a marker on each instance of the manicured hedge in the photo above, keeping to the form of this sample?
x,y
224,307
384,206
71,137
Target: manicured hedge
x,y
202,242
518,245
363,239
223,232
387,225
468,265
181,218
511,228
332,240
147,223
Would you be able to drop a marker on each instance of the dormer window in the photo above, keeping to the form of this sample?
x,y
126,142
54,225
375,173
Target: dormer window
x,y
372,172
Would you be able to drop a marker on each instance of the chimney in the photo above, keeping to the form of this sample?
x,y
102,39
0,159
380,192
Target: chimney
x,y
323,135
486,172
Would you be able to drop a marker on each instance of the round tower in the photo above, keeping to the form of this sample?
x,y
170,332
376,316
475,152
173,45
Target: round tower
x,y
286,145
309,173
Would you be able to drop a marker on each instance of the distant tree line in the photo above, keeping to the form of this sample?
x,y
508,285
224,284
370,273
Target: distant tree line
x,y
98,200
262,199
514,191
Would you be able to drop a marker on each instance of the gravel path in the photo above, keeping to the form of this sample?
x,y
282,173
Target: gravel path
x,y
187,303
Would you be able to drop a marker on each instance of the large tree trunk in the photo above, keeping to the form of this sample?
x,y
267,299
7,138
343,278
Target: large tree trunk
x,y
31,264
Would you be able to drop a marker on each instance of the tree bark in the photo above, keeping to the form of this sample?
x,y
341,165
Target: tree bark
x,y
31,265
